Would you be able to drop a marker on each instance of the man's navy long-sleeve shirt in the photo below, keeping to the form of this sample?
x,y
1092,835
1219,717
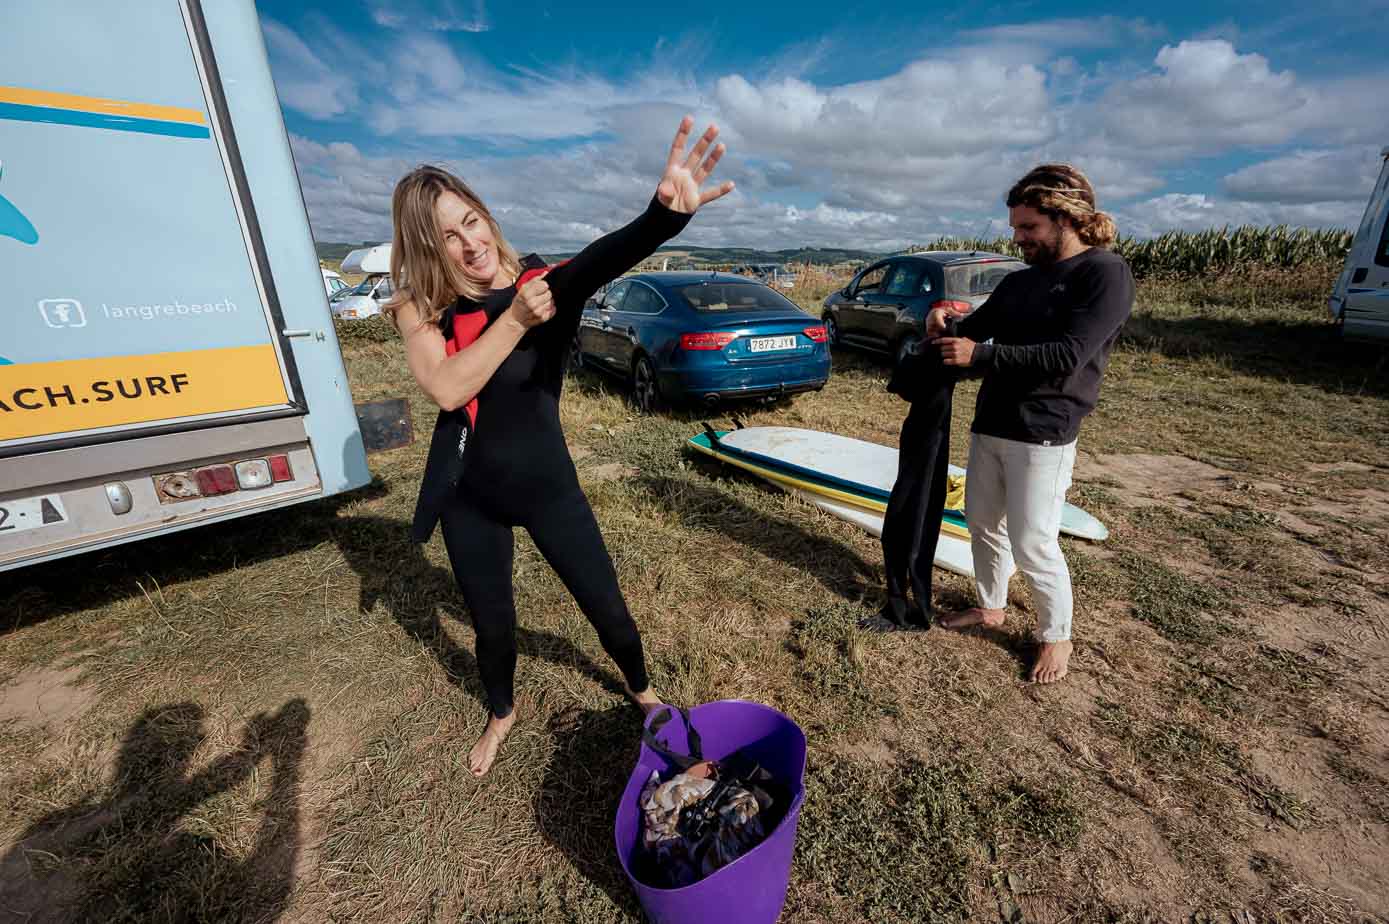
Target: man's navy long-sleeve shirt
x,y
1052,329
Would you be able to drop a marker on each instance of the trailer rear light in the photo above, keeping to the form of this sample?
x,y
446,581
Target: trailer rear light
x,y
176,486
280,470
817,333
216,479
953,306
705,341
252,474
223,478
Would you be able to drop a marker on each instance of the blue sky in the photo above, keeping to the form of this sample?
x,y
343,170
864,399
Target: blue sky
x,y
873,126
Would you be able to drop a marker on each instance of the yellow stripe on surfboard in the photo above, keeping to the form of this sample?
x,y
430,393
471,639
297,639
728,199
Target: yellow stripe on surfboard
x,y
854,500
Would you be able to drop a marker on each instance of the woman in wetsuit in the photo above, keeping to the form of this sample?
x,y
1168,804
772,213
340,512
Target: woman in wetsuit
x,y
486,334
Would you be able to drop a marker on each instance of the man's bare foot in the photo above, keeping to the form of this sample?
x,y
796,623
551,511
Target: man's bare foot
x,y
485,751
646,699
1052,661
974,616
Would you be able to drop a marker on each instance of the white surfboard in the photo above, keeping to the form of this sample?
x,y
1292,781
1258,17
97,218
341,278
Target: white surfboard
x,y
952,552
855,471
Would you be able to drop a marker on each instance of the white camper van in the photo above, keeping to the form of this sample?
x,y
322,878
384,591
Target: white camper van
x,y
332,282
1360,300
167,358
367,297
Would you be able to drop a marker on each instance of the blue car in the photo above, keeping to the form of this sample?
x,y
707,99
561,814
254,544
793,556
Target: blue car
x,y
702,337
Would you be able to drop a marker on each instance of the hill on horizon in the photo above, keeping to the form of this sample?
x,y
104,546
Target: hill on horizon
x,y
332,250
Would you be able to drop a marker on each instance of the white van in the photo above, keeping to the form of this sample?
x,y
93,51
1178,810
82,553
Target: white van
x,y
1360,300
366,298
332,282
208,384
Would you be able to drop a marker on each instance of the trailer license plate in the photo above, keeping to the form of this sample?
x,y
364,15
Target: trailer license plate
x,y
31,513
767,344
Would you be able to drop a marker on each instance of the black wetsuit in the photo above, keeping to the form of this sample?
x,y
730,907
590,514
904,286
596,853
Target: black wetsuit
x,y
911,525
518,472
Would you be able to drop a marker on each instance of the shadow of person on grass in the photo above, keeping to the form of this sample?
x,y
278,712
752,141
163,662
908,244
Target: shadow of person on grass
x,y
135,856
396,575
704,507
594,753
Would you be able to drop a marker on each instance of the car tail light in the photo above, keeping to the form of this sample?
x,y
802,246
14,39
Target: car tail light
x,y
705,341
218,479
816,333
280,470
953,306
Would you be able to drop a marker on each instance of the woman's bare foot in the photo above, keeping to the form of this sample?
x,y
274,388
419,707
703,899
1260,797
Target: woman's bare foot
x,y
646,699
974,616
485,751
1052,661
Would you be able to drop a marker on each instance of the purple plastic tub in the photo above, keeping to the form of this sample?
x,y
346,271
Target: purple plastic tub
x,y
751,889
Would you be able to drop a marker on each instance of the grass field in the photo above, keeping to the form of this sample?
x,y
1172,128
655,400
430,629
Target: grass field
x,y
268,720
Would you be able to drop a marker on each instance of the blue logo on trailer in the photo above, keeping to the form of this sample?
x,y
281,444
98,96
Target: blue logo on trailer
x,y
12,221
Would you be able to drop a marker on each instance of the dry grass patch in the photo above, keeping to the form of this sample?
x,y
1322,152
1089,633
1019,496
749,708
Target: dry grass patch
x,y
275,711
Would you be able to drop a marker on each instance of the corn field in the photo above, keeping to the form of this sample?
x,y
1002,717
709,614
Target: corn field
x,y
1188,253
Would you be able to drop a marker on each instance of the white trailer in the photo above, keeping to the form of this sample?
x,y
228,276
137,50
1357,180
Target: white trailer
x,y
167,357
1360,300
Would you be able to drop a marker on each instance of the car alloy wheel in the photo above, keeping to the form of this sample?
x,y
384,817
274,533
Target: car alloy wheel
x,y
831,330
576,356
645,394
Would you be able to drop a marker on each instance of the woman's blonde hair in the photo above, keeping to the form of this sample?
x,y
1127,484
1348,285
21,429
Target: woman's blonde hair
x,y
420,264
1061,191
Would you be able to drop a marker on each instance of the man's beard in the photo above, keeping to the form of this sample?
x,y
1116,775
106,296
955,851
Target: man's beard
x,y
1043,252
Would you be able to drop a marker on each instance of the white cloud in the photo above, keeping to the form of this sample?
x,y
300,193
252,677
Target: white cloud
x,y
423,67
1351,110
303,81
431,15
1206,97
930,107
1053,34
565,153
1197,211
1303,177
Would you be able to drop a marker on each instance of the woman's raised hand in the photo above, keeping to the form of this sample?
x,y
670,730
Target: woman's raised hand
x,y
679,189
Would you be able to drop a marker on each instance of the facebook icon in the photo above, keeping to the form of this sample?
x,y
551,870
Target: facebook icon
x,y
62,312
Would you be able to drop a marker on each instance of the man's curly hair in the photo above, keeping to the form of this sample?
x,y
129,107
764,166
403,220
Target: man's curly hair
x,y
1060,191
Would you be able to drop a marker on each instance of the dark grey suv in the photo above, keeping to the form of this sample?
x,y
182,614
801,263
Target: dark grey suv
x,y
884,307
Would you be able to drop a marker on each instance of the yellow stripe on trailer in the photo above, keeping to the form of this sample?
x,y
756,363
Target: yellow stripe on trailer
x,y
26,96
42,399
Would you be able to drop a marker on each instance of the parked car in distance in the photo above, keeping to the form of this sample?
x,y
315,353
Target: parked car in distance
x,y
884,307
775,275
701,336
332,282
364,300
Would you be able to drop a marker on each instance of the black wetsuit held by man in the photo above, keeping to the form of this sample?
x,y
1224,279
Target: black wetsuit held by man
x,y
911,525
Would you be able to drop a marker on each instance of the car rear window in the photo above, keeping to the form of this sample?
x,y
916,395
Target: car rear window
x,y
978,278
734,296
